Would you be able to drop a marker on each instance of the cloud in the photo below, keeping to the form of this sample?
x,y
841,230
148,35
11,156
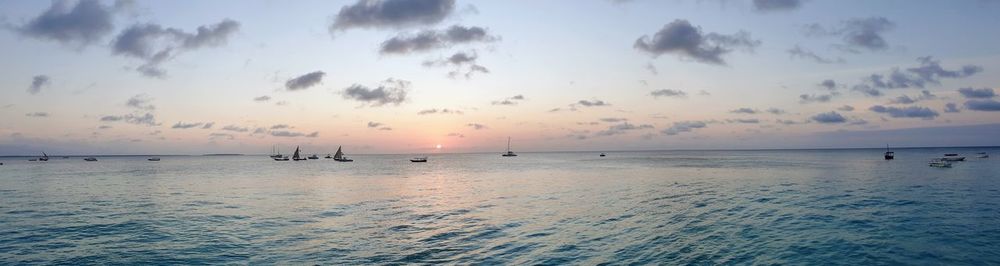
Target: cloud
x,y
476,126
84,23
683,126
515,100
951,108
621,129
593,103
857,33
788,122
744,110
235,128
38,82
829,118
428,40
983,105
37,114
280,126
182,125
291,134
208,125
391,91
668,93
458,135
652,69
305,81
775,111
221,135
906,112
813,98
984,93
799,52
463,62
155,44
829,84
681,38
612,120
146,119
905,99
374,124
744,121
439,111
140,102
846,108
104,127
776,5
262,98
929,72
392,14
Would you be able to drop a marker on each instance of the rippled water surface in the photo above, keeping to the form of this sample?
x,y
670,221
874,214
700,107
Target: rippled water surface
x,y
675,207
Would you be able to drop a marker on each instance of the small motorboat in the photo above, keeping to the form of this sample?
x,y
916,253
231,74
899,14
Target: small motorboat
x,y
281,159
602,154
419,160
329,156
939,163
33,160
90,159
313,157
154,159
982,155
952,157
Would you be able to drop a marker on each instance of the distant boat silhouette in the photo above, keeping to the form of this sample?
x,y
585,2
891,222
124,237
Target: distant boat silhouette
x,y
339,156
419,159
154,159
275,154
285,158
602,154
296,157
888,154
329,156
982,155
90,159
508,153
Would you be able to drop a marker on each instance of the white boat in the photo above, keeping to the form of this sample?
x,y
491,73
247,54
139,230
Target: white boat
x,y
90,159
419,159
340,157
982,155
952,157
154,159
275,154
939,164
281,159
296,157
508,153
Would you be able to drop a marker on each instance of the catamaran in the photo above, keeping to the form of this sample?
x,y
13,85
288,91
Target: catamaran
x,y
508,153
296,157
339,156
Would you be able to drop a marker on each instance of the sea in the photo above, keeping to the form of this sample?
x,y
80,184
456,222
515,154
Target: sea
x,y
746,207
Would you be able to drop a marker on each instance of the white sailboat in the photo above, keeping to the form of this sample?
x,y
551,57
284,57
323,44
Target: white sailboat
x,y
339,156
508,153
296,157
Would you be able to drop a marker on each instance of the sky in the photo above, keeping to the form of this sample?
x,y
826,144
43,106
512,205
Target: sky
x,y
431,76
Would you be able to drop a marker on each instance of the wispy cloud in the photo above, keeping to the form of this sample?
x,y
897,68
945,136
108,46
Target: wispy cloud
x,y
38,82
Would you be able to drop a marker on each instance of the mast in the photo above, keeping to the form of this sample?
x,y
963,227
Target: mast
x,y
508,144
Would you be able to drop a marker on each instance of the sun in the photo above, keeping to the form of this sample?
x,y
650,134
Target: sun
x,y
438,147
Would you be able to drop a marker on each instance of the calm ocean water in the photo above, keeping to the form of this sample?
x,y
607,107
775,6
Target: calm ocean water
x,y
674,207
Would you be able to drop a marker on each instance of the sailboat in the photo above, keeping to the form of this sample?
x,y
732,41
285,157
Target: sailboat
x,y
339,156
508,153
296,157
888,154
44,158
275,154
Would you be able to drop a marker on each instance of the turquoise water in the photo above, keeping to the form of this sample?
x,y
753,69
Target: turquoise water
x,y
675,207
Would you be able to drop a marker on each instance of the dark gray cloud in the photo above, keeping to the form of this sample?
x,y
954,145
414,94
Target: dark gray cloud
x,y
593,103
846,108
476,126
235,128
799,52
104,127
612,119
305,81
906,99
372,124
141,102
951,108
147,119
789,122
681,38
744,121
971,93
280,126
813,98
775,111
668,93
684,126
929,72
84,23
392,14
440,111
515,100
428,40
829,84
744,110
292,134
776,5
38,82
155,44
831,117
37,114
391,91
182,125
622,129
221,135
262,98
983,105
905,112
463,62
857,33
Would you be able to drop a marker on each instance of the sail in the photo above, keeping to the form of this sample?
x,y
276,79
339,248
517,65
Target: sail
x,y
296,155
339,155
46,156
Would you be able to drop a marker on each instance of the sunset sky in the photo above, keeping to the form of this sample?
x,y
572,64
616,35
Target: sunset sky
x,y
402,76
